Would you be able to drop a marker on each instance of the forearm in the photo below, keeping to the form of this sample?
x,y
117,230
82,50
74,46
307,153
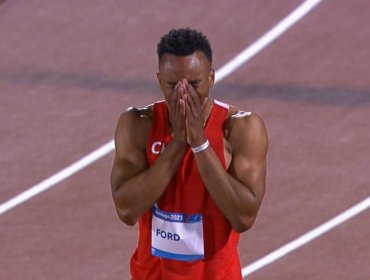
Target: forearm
x,y
136,195
236,201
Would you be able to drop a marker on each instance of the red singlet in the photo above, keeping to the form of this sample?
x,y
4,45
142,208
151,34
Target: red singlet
x,y
186,193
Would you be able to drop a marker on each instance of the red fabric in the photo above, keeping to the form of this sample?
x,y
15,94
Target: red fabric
x,y
187,194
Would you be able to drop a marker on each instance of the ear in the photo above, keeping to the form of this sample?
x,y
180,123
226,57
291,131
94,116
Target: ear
x,y
211,77
159,77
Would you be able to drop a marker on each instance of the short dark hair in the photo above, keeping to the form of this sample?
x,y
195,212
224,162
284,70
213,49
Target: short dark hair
x,y
184,41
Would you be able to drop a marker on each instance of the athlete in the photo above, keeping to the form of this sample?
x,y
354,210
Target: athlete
x,y
190,170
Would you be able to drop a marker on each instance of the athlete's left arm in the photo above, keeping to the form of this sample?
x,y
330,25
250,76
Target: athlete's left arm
x,y
238,192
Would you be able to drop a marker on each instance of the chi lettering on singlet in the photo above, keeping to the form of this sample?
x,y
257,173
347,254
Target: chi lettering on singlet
x,y
157,147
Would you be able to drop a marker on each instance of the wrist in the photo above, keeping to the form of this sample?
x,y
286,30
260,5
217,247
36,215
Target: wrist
x,y
179,142
201,147
197,141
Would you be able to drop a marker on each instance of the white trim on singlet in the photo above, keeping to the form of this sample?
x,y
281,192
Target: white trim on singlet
x,y
227,106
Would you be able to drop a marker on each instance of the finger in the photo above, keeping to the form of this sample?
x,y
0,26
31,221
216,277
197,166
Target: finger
x,y
181,98
191,107
173,98
194,104
196,109
189,114
194,95
182,108
173,102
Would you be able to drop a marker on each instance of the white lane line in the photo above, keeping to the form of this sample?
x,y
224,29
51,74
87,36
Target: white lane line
x,y
224,71
58,177
267,38
307,237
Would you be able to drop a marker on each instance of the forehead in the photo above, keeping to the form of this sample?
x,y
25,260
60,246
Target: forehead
x,y
180,67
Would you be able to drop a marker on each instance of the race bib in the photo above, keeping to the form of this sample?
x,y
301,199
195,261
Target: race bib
x,y
177,236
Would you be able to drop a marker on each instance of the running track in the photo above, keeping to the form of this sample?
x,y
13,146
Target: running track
x,y
68,69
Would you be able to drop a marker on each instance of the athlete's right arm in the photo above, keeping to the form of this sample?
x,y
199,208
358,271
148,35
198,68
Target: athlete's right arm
x,y
135,185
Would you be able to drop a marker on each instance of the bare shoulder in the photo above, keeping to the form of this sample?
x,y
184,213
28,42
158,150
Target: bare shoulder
x,y
245,127
136,116
133,126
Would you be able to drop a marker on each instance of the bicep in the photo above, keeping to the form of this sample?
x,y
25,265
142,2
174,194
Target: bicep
x,y
249,145
130,158
125,168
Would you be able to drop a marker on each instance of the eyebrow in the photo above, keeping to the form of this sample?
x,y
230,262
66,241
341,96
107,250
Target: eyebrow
x,y
194,81
171,83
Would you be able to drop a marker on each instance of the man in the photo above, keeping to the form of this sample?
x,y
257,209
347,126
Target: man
x,y
189,169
